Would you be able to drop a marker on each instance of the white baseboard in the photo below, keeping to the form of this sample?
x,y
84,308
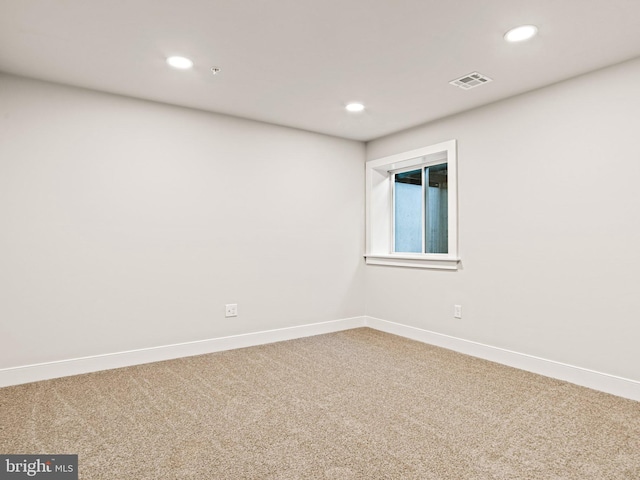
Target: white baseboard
x,y
621,387
603,382
75,366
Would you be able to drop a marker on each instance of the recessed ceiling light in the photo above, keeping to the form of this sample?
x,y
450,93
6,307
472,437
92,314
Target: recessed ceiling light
x,y
354,107
519,34
182,63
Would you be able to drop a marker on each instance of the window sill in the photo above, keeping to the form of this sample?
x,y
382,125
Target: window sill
x,y
437,262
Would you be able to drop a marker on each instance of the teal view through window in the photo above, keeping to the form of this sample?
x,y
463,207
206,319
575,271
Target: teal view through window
x,y
420,210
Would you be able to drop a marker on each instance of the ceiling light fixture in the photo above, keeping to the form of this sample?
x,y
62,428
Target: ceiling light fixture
x,y
519,34
182,63
354,107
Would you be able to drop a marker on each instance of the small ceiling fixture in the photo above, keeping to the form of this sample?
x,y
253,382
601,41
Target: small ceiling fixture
x,y
182,63
471,80
215,70
354,107
519,34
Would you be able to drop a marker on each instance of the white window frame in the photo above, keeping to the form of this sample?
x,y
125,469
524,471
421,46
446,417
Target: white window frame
x,y
379,207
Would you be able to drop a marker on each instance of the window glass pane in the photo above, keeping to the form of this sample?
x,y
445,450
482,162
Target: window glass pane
x,y
407,213
436,211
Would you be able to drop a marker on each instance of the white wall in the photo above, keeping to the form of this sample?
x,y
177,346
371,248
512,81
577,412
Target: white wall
x,y
128,224
549,208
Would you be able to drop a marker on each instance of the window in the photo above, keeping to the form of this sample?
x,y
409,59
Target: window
x,y
420,210
412,208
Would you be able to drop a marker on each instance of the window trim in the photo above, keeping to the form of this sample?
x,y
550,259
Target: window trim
x,y
379,207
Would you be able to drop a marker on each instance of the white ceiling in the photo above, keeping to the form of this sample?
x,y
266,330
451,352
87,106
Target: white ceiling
x,y
298,62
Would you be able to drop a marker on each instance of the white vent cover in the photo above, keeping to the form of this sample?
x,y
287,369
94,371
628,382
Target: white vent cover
x,y
470,80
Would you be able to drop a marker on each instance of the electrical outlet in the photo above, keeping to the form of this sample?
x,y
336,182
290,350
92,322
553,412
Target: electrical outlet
x,y
231,310
457,311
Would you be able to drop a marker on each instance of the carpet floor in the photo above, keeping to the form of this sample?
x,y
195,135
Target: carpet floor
x,y
358,404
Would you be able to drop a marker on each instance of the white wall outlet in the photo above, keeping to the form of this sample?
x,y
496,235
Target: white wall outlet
x,y
457,311
231,310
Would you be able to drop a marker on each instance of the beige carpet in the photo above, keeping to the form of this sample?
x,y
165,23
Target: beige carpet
x,y
359,404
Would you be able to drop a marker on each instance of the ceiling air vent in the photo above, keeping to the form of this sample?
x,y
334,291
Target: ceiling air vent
x,y
470,80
